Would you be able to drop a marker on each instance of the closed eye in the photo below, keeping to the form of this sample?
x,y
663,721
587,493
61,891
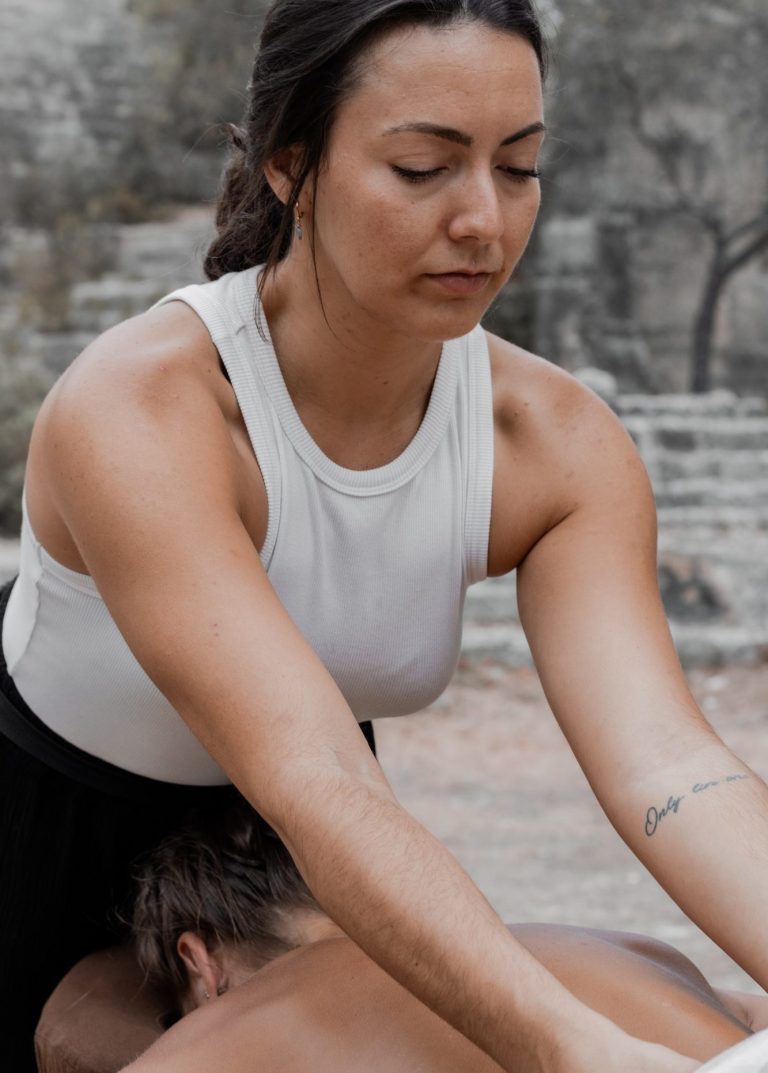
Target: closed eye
x,y
413,176
521,174
416,176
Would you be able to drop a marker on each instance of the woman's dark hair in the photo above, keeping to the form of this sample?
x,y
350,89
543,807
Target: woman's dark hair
x,y
227,877
307,63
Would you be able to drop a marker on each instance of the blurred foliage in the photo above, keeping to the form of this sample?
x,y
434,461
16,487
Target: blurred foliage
x,y
201,61
47,271
686,85
23,386
189,79
659,112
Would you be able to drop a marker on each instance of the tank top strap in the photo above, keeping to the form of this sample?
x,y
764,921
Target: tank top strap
x,y
220,306
479,456
230,310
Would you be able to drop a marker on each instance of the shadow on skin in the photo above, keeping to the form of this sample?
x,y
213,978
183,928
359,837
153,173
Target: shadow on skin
x,y
349,1010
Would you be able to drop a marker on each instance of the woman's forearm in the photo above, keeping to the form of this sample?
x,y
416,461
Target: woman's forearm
x,y
404,899
700,826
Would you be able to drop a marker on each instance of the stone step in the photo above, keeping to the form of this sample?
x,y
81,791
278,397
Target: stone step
x,y
714,589
98,304
714,404
169,250
688,432
724,465
712,491
504,643
737,544
57,350
492,601
722,516
718,584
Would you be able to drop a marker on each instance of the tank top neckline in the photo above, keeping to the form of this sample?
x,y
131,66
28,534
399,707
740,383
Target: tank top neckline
x,y
366,481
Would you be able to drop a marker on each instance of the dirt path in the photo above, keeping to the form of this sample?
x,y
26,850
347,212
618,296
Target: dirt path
x,y
488,771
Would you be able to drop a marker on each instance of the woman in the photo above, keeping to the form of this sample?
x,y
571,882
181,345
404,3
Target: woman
x,y
251,515
220,906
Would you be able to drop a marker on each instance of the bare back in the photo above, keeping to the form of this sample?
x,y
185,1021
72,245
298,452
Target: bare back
x,y
327,1007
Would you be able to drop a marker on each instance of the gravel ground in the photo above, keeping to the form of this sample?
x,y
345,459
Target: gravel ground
x,y
488,771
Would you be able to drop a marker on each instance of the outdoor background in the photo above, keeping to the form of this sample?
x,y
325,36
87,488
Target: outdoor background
x,y
648,277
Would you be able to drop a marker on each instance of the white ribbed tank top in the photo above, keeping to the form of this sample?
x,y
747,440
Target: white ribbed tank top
x,y
372,565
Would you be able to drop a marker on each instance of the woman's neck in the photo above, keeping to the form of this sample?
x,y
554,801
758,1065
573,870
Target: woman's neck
x,y
342,369
302,927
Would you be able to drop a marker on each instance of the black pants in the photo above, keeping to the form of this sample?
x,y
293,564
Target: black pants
x,y
70,827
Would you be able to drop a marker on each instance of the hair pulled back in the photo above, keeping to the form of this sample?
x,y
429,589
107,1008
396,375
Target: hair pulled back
x,y
307,63
228,878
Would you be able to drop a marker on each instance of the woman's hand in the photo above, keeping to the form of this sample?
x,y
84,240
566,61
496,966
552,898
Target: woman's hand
x,y
617,1052
650,1058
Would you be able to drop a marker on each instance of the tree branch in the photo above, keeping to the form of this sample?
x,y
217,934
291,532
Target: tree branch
x,y
760,221
736,260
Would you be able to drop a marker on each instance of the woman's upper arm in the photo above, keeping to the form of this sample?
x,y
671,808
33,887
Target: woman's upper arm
x,y
591,610
142,469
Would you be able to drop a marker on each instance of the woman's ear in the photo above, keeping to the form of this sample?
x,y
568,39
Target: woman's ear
x,y
282,170
207,978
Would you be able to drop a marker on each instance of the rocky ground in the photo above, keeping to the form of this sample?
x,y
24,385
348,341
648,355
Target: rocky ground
x,y
488,771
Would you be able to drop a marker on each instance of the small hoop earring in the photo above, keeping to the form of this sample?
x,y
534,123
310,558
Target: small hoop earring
x,y
219,992
297,226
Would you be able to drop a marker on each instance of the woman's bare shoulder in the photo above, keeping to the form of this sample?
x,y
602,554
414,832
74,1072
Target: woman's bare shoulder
x,y
345,1007
158,365
155,362
161,344
535,396
557,447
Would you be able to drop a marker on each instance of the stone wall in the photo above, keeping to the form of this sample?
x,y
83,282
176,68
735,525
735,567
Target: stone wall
x,y
71,78
656,141
140,264
605,283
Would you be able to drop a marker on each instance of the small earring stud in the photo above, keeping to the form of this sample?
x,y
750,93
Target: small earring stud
x,y
297,227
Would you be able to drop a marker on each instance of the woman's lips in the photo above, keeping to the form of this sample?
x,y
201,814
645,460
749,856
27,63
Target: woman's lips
x,y
462,282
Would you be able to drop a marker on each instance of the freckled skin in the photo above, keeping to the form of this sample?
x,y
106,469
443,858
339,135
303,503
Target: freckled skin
x,y
479,81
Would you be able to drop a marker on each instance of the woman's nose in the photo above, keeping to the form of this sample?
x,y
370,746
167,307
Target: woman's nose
x,y
477,211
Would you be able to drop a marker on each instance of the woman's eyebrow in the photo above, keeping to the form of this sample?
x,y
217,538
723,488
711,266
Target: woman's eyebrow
x,y
458,136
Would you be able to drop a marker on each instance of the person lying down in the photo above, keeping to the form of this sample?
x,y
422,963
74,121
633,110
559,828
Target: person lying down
x,y
265,982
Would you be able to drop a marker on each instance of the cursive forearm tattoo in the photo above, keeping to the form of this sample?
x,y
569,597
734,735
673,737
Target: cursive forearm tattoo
x,y
655,815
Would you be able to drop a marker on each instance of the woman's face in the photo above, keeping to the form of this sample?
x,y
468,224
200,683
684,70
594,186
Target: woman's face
x,y
426,201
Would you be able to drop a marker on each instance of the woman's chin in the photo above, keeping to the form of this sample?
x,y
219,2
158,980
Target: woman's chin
x,y
453,321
